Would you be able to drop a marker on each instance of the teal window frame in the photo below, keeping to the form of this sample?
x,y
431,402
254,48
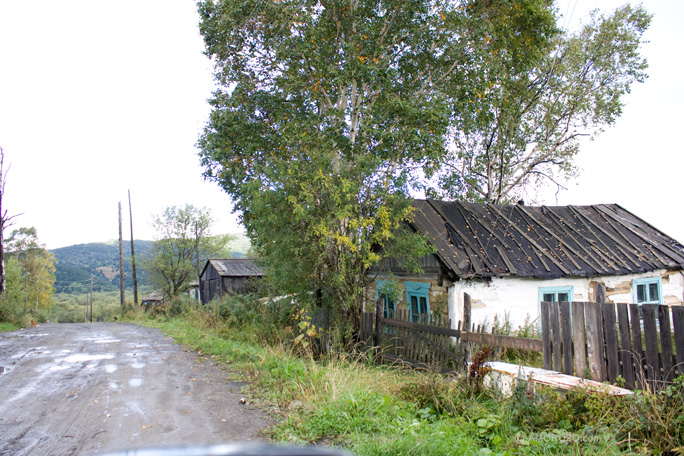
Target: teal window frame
x,y
569,290
648,290
420,291
383,285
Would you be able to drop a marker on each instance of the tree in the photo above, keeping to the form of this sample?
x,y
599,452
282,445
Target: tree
x,y
182,231
37,267
324,112
522,128
5,220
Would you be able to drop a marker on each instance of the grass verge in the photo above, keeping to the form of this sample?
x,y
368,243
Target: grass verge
x,y
382,410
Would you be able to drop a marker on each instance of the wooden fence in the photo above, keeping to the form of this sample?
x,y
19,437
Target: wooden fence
x,y
431,342
605,341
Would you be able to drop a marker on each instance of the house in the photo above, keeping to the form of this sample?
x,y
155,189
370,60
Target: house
x,y
226,276
510,258
156,298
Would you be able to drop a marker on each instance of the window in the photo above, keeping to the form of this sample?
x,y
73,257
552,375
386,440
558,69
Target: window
x,y
384,292
556,294
418,301
648,290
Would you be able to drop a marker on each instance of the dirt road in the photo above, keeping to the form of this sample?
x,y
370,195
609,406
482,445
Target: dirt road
x,y
81,389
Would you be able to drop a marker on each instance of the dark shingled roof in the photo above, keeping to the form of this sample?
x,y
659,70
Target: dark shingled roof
x,y
236,267
486,240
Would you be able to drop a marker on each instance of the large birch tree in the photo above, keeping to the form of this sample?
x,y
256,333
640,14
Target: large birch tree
x,y
325,109
519,130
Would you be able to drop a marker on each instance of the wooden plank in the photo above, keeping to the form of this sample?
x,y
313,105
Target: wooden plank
x,y
496,340
611,342
666,342
579,344
625,346
556,337
592,315
531,241
379,314
546,333
678,321
465,346
566,333
651,343
637,350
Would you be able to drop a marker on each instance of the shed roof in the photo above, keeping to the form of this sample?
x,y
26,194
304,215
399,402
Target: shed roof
x,y
486,240
235,267
155,296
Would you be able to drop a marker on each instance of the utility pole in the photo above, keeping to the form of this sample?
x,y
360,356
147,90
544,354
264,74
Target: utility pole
x,y
121,264
25,292
135,277
91,298
198,259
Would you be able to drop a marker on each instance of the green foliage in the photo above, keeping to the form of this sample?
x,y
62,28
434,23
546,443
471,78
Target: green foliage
x,y
12,300
521,122
379,410
183,234
325,113
30,276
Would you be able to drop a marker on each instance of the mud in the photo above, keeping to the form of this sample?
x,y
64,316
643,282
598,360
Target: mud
x,y
82,389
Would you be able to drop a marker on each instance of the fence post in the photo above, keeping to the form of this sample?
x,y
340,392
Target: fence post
x,y
379,313
466,327
578,338
545,308
594,320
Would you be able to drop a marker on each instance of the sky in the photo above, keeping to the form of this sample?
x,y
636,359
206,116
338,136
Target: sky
x,y
98,98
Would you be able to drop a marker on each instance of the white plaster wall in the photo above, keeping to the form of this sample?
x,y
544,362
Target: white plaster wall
x,y
519,297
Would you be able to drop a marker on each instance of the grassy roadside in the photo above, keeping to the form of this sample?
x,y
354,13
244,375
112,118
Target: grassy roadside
x,y
4,327
381,410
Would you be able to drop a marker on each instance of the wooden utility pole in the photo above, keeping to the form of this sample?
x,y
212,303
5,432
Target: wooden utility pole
x,y
135,277
91,298
121,264
197,250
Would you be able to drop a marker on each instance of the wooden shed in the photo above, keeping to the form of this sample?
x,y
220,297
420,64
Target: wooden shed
x,y
227,276
155,298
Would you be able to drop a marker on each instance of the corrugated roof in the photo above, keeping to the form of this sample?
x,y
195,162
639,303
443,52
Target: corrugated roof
x,y
236,267
486,240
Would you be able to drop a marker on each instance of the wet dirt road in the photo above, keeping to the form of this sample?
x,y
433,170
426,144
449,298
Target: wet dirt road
x,y
81,389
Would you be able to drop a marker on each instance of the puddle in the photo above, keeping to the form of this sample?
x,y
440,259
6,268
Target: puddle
x,y
4,370
86,357
110,368
135,381
137,365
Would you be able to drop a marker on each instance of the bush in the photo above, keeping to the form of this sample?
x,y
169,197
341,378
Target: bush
x,y
180,305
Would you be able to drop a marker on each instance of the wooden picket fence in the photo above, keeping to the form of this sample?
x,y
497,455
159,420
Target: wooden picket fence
x,y
606,341
431,343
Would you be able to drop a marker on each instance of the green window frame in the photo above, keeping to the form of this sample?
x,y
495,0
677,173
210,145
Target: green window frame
x,y
556,294
418,301
390,305
648,290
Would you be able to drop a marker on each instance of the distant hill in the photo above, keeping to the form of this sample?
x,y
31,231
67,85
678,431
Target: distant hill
x,y
75,263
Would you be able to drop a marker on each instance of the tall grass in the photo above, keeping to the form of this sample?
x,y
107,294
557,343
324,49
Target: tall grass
x,y
348,401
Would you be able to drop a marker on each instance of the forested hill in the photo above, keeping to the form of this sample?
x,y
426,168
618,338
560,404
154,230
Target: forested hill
x,y
75,263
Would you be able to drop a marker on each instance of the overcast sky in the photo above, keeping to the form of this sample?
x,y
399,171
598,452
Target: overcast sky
x,y
97,98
